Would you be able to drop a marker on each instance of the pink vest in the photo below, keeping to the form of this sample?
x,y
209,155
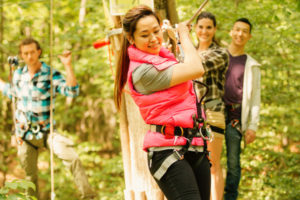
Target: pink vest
x,y
174,106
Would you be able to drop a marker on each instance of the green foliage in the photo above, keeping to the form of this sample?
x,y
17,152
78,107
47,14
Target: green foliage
x,y
10,190
103,167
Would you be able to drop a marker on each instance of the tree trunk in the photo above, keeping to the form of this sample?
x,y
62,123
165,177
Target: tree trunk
x,y
1,35
139,184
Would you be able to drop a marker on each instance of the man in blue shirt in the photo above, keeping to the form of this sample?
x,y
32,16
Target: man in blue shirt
x,y
31,89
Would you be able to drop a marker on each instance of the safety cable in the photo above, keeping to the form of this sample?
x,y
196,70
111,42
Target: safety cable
x,y
51,101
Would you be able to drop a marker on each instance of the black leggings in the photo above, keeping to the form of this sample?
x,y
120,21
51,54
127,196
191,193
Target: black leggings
x,y
187,179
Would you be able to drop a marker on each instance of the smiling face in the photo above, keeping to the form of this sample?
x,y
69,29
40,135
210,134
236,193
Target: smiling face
x,y
205,30
147,36
240,33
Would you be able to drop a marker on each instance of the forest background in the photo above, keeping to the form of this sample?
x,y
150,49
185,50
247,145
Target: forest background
x,y
271,165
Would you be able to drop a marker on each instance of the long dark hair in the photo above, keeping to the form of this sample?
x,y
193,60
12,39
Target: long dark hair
x,y
208,15
129,25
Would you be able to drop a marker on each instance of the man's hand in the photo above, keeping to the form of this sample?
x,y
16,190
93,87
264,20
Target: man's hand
x,y
66,58
250,136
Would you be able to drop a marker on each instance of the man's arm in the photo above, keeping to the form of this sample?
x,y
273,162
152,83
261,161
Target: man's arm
x,y
68,87
254,110
66,59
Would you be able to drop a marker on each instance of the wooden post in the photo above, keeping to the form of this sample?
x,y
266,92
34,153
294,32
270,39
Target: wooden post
x,y
1,35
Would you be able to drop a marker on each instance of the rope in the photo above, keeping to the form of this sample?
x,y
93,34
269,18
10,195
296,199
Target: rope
x,y
13,106
51,101
197,12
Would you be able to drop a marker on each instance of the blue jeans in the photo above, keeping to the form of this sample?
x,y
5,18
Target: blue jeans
x,y
233,140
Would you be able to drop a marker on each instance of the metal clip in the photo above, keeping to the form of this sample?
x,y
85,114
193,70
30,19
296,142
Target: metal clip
x,y
210,134
178,155
234,122
35,128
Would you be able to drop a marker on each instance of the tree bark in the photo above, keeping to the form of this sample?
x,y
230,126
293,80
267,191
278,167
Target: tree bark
x,y
1,35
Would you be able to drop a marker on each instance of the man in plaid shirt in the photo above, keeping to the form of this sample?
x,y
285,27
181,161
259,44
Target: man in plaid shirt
x,y
31,90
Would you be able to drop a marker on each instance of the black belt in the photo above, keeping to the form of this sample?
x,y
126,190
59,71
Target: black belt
x,y
217,129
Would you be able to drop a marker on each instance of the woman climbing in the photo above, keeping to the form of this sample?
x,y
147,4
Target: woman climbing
x,y
163,90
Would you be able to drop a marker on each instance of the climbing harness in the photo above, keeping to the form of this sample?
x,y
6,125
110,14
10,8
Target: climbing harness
x,y
200,127
236,123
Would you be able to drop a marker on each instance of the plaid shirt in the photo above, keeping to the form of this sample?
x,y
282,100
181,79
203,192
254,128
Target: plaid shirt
x,y
33,95
215,62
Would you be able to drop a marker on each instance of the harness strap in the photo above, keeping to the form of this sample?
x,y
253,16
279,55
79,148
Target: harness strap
x,y
235,123
217,129
169,130
178,154
29,143
45,137
175,156
211,103
174,131
176,148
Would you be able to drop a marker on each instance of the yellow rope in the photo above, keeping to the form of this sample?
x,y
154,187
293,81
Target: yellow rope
x,y
51,100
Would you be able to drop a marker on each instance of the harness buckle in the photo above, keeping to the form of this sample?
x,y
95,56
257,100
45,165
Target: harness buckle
x,y
209,135
234,122
178,155
19,140
163,128
35,128
24,127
